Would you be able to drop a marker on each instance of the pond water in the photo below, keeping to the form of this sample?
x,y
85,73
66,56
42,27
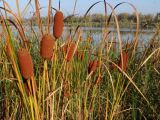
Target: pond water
x,y
126,34
96,33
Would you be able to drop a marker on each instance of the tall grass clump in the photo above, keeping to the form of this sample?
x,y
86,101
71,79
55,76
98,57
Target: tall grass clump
x,y
71,75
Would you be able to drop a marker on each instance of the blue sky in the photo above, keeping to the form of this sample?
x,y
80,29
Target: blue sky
x,y
143,6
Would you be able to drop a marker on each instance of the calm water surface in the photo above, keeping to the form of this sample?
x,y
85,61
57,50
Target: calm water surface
x,y
96,33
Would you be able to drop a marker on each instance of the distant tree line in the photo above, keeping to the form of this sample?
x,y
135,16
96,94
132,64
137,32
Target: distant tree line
x,y
125,20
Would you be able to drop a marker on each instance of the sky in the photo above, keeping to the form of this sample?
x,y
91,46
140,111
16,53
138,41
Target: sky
x,y
142,6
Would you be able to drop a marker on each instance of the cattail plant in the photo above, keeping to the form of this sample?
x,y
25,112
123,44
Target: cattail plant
x,y
71,51
47,46
58,24
8,51
123,64
25,63
90,66
93,66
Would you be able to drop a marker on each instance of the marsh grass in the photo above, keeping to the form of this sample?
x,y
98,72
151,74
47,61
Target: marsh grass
x,y
81,80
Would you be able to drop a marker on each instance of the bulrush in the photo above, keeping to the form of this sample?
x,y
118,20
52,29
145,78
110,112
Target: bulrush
x,y
25,63
71,51
125,60
47,46
93,66
8,51
58,24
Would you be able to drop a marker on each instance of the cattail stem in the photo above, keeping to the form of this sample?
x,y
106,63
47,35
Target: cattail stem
x,y
35,99
49,14
44,85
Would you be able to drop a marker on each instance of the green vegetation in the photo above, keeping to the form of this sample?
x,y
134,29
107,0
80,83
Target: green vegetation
x,y
73,77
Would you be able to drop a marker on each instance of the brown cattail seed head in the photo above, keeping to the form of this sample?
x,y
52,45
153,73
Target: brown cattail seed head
x,y
90,66
125,60
58,24
25,63
93,66
8,51
47,46
71,51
